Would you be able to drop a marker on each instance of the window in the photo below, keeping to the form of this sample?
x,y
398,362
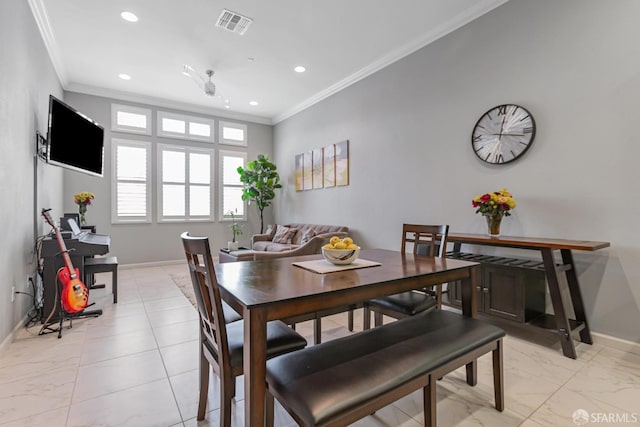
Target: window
x,y
185,127
184,183
130,194
125,118
233,134
230,185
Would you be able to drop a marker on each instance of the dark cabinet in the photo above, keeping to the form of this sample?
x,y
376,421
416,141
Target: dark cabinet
x,y
509,288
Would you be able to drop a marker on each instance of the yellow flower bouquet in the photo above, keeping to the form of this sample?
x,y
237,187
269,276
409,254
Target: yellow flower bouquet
x,y
496,203
82,200
494,206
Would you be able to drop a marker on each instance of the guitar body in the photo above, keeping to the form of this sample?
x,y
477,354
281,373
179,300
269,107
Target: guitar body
x,y
74,295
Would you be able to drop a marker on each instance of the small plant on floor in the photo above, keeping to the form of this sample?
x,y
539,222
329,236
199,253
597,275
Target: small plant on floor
x,y
235,227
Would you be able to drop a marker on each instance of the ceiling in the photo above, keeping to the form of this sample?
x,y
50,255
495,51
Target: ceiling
x,y
339,43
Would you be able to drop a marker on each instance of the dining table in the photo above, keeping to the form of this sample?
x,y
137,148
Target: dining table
x,y
273,289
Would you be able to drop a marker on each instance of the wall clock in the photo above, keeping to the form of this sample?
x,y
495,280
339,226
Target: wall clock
x,y
503,134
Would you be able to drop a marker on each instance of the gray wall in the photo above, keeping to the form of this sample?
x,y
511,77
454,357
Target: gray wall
x,y
27,78
575,64
143,243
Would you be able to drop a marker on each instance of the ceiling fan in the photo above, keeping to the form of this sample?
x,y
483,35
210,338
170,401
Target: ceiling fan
x,y
205,84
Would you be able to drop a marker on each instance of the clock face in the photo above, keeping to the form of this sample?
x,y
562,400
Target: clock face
x,y
503,134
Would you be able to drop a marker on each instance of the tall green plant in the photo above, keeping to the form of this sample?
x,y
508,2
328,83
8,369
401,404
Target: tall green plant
x,y
260,179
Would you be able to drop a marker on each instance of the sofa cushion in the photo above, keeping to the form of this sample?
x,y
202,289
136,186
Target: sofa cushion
x,y
284,235
306,236
317,229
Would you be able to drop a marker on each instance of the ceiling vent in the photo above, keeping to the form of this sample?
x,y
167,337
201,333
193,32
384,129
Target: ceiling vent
x,y
233,22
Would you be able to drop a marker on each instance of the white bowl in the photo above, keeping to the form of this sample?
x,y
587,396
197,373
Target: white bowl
x,y
341,256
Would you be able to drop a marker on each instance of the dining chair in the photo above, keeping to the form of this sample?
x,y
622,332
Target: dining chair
x,y
430,240
221,343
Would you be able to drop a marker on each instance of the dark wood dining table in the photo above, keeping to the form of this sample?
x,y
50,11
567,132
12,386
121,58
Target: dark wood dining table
x,y
273,289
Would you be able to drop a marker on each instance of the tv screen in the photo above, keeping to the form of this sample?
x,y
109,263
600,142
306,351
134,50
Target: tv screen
x,y
74,140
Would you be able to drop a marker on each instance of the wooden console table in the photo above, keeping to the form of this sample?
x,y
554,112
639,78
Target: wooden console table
x,y
567,328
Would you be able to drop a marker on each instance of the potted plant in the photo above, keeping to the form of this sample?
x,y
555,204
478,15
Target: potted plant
x,y
260,178
236,230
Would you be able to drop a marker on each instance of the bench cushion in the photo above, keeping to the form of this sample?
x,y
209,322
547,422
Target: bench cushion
x,y
322,381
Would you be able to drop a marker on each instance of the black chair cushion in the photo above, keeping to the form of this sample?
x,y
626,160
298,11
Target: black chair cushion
x,y
280,339
372,362
409,303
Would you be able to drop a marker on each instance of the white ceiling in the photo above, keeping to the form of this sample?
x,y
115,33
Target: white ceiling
x,y
338,41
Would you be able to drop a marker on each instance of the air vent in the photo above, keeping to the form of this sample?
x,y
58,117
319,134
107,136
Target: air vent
x,y
233,22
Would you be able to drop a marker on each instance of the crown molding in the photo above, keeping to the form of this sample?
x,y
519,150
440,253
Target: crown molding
x,y
458,21
39,12
161,102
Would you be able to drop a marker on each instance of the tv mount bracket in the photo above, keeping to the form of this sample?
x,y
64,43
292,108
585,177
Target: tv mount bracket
x,y
41,146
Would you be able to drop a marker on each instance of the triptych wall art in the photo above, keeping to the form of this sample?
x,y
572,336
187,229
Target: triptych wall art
x,y
323,167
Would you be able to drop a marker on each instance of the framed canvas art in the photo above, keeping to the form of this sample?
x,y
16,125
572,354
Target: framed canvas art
x,y
299,172
307,175
317,176
342,163
329,164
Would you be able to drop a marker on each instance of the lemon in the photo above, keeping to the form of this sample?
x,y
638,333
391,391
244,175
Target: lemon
x,y
352,246
328,246
347,241
334,240
340,245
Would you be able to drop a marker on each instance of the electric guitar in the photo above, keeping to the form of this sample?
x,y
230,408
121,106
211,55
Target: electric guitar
x,y
74,295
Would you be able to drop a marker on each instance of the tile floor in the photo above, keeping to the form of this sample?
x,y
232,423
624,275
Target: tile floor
x,y
137,365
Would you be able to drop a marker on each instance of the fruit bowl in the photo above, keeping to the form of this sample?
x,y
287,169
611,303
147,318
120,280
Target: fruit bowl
x,y
341,256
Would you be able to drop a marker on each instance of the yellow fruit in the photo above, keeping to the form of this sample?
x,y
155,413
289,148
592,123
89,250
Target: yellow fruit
x,y
347,241
352,246
328,246
340,245
334,240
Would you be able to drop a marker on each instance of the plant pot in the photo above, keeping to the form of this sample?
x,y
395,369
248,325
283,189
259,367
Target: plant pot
x,y
233,246
493,225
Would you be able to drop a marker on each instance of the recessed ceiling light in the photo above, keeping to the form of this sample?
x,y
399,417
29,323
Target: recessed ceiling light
x,y
254,103
124,76
299,69
227,106
129,16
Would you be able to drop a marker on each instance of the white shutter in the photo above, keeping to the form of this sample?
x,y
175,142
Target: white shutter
x,y
130,195
185,183
231,187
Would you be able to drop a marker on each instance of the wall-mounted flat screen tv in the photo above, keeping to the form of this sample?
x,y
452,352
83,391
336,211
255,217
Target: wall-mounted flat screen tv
x,y
74,141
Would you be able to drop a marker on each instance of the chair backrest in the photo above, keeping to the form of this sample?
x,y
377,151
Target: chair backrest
x,y
433,237
207,293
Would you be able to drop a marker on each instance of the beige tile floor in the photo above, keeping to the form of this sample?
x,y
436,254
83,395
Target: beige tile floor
x,y
137,365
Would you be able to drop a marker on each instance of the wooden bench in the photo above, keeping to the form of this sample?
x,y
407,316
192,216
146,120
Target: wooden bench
x,y
344,380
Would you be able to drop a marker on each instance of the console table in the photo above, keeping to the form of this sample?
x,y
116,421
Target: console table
x,y
567,328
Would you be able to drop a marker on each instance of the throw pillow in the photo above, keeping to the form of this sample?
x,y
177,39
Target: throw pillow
x,y
284,235
308,235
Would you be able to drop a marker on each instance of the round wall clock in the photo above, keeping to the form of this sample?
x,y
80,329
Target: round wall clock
x,y
503,134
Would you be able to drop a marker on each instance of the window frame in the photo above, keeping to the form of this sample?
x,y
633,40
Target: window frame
x,y
187,119
115,108
159,184
221,185
222,140
115,218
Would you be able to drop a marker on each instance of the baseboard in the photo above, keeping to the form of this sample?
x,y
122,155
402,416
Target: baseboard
x,y
153,264
617,343
12,335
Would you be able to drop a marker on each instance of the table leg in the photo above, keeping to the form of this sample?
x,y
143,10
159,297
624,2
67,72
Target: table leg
x,y
470,308
255,359
576,296
559,310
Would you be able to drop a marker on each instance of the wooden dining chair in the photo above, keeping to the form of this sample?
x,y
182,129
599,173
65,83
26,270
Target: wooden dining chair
x,y
221,343
430,240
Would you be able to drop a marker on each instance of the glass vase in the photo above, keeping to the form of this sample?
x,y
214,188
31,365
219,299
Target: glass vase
x,y
493,225
82,210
